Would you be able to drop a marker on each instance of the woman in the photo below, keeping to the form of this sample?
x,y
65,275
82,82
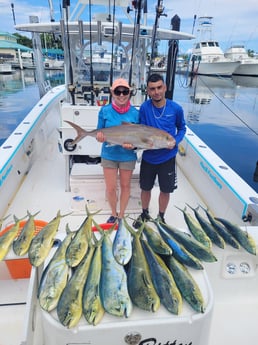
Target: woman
x,y
117,161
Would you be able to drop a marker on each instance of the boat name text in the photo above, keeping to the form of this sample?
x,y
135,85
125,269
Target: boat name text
x,y
211,176
4,176
154,341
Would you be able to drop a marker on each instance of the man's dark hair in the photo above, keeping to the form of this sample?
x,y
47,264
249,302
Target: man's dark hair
x,y
153,78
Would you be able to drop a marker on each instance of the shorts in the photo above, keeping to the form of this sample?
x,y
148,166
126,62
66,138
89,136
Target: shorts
x,y
129,165
166,173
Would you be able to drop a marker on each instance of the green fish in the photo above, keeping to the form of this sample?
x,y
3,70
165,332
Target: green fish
x,y
69,307
140,285
209,229
186,284
8,237
163,281
92,307
113,281
156,241
22,243
195,228
245,239
122,244
42,243
54,277
193,246
179,251
80,242
221,230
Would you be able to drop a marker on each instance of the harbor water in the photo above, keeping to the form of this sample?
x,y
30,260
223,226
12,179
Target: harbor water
x,y
223,112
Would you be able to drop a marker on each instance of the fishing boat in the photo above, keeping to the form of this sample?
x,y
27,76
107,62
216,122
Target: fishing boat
x,y
248,65
5,68
207,57
42,171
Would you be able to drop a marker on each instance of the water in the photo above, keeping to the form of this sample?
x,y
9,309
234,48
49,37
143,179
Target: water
x,y
221,111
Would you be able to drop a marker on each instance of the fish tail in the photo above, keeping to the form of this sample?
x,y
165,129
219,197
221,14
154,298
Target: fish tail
x,y
81,133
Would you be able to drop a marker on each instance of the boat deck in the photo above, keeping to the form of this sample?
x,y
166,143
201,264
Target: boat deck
x,y
45,185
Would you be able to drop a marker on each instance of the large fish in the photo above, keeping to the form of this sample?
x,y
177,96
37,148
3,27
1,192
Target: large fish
x,y
92,307
156,242
122,244
69,307
113,281
80,242
163,281
22,243
193,246
140,284
209,229
179,252
195,228
188,287
42,243
220,228
8,237
140,136
54,277
245,239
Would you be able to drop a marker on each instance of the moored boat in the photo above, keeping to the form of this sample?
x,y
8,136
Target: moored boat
x,y
207,57
5,68
248,65
40,171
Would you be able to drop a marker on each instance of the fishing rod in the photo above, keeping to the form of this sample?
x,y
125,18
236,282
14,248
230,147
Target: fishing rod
x,y
91,59
159,12
71,87
136,34
112,44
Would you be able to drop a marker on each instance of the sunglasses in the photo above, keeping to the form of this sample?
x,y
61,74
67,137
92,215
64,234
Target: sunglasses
x,y
119,92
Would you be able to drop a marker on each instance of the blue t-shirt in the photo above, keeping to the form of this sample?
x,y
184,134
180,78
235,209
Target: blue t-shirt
x,y
169,118
109,117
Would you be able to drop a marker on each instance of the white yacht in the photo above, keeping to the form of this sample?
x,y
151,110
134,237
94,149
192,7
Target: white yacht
x,y
207,57
248,65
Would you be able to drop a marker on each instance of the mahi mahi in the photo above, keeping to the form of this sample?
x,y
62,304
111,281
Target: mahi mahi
x,y
193,246
195,228
245,239
220,228
69,307
42,243
209,229
122,244
22,243
140,136
163,281
113,281
55,275
80,242
140,284
7,238
155,241
179,251
92,307
188,287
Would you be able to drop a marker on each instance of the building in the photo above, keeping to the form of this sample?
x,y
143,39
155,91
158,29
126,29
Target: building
x,y
11,51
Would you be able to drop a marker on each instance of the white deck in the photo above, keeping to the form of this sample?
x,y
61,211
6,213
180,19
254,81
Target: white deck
x,y
232,305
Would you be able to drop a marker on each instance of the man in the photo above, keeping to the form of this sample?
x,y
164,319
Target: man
x,y
167,115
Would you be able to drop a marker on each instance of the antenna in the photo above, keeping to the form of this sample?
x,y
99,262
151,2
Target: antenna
x,y
14,20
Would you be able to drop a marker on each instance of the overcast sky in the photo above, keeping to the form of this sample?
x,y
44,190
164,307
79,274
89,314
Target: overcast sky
x,y
235,21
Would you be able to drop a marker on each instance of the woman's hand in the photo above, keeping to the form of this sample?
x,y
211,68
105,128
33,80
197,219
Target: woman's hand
x,y
100,137
128,146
